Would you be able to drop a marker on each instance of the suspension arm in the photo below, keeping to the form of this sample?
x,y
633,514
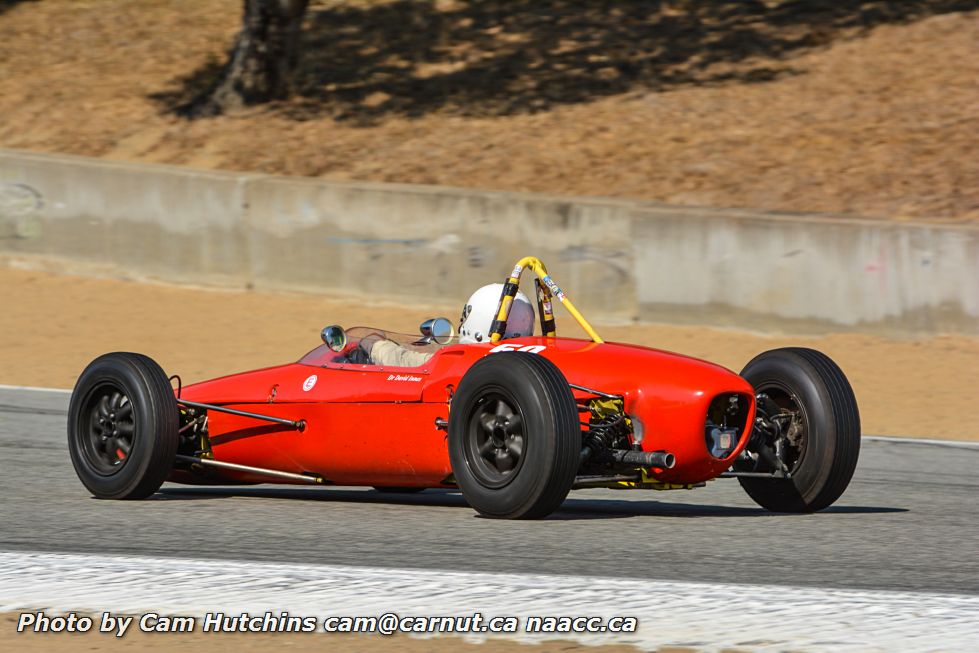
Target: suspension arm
x,y
299,425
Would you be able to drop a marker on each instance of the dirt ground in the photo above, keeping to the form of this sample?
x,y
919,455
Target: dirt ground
x,y
52,325
866,108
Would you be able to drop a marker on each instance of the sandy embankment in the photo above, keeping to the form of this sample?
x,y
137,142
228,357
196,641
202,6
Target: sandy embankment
x,y
51,326
839,107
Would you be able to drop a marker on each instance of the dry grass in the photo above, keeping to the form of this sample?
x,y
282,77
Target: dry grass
x,y
867,107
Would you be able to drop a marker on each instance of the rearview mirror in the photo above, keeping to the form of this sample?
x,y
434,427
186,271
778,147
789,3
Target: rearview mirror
x,y
334,336
438,330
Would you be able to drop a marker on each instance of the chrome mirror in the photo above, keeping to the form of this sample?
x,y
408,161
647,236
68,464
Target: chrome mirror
x,y
334,336
438,330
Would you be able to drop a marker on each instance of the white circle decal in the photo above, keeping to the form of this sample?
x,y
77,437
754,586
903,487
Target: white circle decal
x,y
309,383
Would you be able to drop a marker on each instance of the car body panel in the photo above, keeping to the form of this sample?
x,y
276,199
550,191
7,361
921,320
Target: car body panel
x,y
374,425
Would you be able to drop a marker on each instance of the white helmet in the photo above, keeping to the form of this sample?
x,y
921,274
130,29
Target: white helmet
x,y
480,311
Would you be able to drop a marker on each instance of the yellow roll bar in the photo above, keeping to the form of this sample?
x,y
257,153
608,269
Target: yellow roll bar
x,y
510,291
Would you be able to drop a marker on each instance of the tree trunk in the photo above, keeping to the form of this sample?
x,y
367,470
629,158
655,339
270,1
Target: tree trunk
x,y
262,61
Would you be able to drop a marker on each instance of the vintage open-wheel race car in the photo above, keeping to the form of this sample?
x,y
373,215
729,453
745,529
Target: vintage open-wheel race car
x,y
514,424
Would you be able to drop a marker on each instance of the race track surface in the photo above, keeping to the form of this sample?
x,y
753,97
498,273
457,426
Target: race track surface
x,y
907,522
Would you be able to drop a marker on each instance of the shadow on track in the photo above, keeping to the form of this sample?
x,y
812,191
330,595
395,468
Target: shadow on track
x,y
441,498
572,509
686,510
366,61
861,510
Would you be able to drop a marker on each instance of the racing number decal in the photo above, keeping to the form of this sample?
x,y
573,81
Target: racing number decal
x,y
530,349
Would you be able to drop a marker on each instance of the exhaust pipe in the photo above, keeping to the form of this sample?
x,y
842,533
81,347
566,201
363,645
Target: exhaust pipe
x,y
661,459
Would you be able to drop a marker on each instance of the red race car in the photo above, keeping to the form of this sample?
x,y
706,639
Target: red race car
x,y
513,420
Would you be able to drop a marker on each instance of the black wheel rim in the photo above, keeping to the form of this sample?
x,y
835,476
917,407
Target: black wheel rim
x,y
793,438
107,429
495,441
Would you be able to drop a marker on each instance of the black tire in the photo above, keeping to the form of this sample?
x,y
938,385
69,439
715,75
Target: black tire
x,y
398,490
810,384
540,449
122,426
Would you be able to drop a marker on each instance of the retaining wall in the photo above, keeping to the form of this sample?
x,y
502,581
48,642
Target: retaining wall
x,y
618,259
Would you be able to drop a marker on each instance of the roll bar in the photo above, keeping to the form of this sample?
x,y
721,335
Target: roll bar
x,y
546,289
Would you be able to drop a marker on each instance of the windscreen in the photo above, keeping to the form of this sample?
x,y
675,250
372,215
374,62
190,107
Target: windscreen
x,y
323,354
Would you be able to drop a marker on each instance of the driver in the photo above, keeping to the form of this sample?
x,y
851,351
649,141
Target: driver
x,y
477,320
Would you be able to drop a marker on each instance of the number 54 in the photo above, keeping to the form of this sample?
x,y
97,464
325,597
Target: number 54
x,y
530,349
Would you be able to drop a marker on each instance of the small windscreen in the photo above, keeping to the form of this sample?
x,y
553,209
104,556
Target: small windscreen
x,y
323,354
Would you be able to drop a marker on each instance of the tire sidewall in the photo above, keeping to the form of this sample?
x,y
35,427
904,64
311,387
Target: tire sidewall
x,y
147,458
503,374
800,379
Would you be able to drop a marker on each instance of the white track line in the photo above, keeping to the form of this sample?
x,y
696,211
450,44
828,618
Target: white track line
x,y
702,616
955,444
31,388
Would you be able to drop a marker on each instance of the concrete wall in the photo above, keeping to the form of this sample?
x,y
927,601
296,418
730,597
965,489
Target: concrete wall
x,y
619,260
176,224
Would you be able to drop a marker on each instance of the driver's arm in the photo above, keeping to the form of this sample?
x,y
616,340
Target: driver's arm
x,y
386,352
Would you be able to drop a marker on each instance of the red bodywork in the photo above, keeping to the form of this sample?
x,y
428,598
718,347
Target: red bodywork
x,y
376,426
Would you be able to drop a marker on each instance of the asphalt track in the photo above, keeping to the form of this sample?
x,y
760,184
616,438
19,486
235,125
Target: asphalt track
x,y
907,522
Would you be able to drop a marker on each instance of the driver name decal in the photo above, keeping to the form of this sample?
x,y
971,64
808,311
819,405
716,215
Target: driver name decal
x,y
309,383
403,377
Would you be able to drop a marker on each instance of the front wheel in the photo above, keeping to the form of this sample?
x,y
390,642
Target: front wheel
x,y
808,425
122,426
514,436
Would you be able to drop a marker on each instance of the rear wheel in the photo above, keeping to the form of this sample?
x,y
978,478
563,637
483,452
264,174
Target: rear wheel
x,y
122,426
514,436
810,427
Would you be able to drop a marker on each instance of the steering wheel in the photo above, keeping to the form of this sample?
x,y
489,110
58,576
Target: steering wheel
x,y
354,356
